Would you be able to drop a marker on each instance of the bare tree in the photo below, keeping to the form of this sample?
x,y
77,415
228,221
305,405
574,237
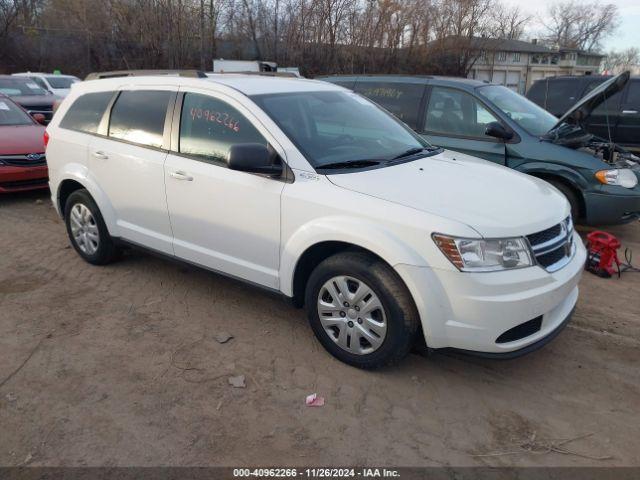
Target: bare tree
x,y
617,62
582,25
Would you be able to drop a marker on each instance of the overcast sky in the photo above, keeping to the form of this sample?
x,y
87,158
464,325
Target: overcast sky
x,y
627,35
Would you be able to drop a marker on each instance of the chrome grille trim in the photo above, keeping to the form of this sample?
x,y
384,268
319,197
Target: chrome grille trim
x,y
562,245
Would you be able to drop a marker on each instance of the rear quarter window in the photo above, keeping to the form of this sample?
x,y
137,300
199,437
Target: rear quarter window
x,y
537,92
562,94
401,99
86,112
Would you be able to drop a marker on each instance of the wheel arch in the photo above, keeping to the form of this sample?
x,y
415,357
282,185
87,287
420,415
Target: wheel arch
x,y
572,180
74,179
311,244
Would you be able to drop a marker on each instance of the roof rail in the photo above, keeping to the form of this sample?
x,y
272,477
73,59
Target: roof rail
x,y
144,73
260,74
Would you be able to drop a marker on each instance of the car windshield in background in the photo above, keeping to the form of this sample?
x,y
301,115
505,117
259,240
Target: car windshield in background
x,y
14,87
10,114
525,113
61,82
331,127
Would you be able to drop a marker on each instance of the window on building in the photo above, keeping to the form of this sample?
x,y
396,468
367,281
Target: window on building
x,y
502,56
516,57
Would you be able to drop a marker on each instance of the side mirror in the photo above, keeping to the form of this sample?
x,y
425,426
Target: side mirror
x,y
496,130
254,158
40,118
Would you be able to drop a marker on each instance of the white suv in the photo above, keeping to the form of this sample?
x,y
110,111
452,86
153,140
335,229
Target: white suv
x,y
305,188
57,84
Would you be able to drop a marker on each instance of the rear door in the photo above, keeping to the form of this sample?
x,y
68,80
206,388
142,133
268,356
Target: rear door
x,y
128,164
628,129
456,120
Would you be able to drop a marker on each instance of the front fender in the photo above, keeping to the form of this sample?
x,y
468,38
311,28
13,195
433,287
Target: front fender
x,y
350,230
81,174
554,170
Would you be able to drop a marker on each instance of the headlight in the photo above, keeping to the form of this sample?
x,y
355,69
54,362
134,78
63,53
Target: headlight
x,y
485,255
620,176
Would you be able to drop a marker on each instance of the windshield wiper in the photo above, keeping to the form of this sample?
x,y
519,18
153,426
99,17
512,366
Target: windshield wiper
x,y
414,151
349,164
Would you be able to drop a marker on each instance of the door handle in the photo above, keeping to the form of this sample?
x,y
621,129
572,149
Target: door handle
x,y
629,112
180,175
101,155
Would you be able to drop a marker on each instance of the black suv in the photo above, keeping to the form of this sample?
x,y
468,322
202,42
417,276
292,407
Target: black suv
x,y
618,117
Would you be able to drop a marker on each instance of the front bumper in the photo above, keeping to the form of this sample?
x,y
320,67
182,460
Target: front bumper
x,y
470,311
608,209
17,179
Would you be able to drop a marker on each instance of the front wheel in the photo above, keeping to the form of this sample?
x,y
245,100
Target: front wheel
x,y
360,310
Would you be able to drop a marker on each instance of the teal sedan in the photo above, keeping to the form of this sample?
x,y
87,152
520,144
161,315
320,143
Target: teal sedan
x,y
598,178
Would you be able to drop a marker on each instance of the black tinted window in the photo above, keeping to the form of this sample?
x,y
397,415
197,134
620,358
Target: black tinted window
x,y
138,117
537,92
633,96
401,99
86,112
562,94
209,127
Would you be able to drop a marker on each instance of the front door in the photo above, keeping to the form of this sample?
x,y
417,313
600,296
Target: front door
x,y
223,219
128,165
628,131
455,120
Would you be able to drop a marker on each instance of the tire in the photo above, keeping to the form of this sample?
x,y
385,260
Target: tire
x,y
367,338
81,214
571,197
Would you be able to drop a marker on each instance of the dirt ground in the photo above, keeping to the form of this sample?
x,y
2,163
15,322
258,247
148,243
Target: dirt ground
x,y
119,366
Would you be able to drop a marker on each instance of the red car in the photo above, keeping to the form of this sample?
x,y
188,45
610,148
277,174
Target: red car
x,y
23,165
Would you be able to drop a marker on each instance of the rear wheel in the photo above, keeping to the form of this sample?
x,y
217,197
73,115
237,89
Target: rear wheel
x,y
86,229
360,310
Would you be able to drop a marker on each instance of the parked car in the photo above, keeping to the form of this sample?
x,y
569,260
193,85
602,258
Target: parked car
x,y
600,180
29,95
618,117
57,84
22,160
279,182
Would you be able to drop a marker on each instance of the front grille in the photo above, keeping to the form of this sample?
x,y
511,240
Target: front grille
x,y
22,161
553,247
40,108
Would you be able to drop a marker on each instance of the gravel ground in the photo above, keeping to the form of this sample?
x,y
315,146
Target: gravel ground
x,y
120,366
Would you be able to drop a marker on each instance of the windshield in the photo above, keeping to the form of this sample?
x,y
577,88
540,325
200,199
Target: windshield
x,y
330,127
10,114
61,82
18,86
525,113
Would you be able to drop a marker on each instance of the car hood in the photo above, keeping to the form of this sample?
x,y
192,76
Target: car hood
x,y
587,104
495,201
21,139
30,100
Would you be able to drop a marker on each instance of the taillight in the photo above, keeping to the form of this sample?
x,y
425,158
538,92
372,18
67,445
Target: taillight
x,y
46,138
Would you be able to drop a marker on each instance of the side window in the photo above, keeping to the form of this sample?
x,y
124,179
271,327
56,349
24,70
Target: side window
x,y
138,116
633,95
86,112
454,112
401,99
562,94
40,82
209,127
